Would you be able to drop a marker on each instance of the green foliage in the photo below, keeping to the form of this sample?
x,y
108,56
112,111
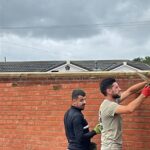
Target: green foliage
x,y
145,60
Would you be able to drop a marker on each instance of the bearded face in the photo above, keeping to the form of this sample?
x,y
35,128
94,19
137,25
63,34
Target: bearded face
x,y
116,96
80,102
115,91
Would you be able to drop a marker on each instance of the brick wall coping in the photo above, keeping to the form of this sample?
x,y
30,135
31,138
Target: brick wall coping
x,y
28,75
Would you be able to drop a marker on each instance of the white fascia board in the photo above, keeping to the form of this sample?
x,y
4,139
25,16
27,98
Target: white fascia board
x,y
80,68
72,68
125,68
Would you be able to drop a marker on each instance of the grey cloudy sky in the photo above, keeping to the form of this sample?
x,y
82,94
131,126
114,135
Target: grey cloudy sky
x,y
74,29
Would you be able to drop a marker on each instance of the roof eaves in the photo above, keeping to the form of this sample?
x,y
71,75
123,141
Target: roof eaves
x,y
139,65
55,66
88,69
112,66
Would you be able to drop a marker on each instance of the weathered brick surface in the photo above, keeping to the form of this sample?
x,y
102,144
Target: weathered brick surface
x,y
32,107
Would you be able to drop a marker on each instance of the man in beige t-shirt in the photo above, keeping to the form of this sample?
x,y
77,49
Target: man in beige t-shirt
x,y
110,110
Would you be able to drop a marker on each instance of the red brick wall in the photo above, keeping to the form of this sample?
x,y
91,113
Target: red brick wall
x,y
32,107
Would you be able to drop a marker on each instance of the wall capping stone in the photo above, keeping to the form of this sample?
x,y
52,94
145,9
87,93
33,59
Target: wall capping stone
x,y
28,75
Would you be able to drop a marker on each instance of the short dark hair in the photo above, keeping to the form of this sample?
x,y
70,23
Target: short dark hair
x,y
77,92
105,84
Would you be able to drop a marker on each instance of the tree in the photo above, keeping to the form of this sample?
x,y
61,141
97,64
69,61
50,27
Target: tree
x,y
145,60
139,59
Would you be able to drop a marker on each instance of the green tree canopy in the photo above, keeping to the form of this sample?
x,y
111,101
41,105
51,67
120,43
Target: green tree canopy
x,y
145,60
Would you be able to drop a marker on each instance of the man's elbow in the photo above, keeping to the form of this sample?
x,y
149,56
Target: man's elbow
x,y
131,109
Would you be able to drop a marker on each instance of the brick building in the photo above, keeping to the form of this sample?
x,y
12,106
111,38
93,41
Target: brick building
x,y
32,106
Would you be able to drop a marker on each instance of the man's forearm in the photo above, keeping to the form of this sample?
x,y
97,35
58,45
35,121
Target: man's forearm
x,y
89,135
136,103
137,87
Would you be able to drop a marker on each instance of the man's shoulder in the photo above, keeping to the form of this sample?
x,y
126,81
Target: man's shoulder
x,y
73,112
107,104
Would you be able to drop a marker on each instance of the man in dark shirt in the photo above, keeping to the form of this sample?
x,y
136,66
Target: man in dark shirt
x,y
76,127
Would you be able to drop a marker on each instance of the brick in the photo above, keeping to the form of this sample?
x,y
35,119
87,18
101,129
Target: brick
x,y
32,111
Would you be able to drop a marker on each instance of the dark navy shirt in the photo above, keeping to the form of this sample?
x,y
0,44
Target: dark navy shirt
x,y
77,130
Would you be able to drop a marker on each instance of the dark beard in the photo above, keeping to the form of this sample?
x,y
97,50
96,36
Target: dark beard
x,y
115,96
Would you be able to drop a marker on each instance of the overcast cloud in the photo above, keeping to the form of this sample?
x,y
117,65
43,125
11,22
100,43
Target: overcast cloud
x,y
74,29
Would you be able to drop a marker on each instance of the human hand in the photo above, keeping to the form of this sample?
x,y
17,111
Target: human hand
x,y
146,91
97,129
148,83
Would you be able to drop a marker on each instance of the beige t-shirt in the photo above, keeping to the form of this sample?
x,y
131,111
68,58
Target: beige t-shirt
x,y
111,122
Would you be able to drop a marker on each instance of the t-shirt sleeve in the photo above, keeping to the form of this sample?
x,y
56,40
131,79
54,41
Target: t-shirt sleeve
x,y
111,109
